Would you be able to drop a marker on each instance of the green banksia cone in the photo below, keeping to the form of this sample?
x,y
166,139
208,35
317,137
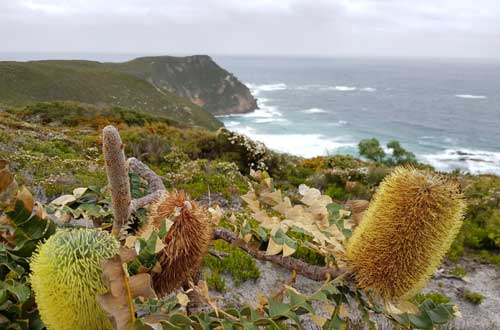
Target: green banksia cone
x,y
408,228
66,279
186,242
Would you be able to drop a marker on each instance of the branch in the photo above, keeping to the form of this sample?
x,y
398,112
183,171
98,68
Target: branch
x,y
117,173
155,184
218,254
316,273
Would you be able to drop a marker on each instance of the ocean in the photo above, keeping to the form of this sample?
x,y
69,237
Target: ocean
x,y
447,112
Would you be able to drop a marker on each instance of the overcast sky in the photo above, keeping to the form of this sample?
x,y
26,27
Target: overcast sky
x,y
435,28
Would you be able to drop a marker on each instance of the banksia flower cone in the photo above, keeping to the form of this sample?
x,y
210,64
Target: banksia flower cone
x,y
406,231
186,242
66,279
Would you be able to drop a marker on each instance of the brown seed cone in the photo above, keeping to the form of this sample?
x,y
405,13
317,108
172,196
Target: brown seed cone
x,y
186,243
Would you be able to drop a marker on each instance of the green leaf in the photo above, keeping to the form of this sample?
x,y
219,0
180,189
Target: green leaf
x,y
420,322
277,308
180,320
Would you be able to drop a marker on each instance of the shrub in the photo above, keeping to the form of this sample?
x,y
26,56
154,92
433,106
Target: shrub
x,y
370,148
342,162
239,264
473,297
458,271
436,297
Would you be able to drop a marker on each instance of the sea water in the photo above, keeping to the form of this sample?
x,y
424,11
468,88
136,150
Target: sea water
x,y
447,112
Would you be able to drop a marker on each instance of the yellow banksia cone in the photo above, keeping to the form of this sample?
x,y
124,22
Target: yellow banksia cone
x,y
408,228
186,242
66,279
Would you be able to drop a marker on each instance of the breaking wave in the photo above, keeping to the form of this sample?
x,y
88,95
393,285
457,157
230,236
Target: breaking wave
x,y
314,110
467,160
470,96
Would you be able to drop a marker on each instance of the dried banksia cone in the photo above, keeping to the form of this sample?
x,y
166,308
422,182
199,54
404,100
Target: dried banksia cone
x,y
409,226
186,242
66,279
117,173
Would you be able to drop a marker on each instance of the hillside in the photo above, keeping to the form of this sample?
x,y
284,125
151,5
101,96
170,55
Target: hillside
x,y
197,78
22,83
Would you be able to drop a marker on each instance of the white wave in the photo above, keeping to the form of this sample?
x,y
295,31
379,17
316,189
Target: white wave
x,y
467,160
269,120
307,87
232,123
314,110
337,123
256,89
342,88
246,130
368,89
305,145
470,96
265,111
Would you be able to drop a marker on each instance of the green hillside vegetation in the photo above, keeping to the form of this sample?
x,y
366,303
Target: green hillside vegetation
x,y
22,83
55,147
197,78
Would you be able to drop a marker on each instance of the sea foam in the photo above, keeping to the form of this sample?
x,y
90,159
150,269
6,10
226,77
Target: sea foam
x,y
467,160
470,96
256,89
314,110
342,88
305,145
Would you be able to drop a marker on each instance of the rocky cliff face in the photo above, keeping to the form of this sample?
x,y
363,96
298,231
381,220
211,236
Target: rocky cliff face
x,y
197,78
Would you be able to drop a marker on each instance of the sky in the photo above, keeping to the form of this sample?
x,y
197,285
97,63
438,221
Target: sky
x,y
399,28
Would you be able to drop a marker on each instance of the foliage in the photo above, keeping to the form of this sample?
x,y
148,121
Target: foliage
x,y
72,114
371,149
400,155
343,162
436,297
279,310
287,311
197,78
458,271
203,177
237,263
480,234
21,232
252,155
276,216
22,83
473,297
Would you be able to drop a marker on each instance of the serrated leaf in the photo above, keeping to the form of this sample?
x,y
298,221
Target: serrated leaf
x,y
273,248
183,299
63,200
24,195
78,192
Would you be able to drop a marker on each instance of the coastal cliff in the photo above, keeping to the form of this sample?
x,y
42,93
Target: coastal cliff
x,y
197,78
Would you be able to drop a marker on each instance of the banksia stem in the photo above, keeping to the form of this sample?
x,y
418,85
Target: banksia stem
x,y
186,242
66,279
406,231
117,173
